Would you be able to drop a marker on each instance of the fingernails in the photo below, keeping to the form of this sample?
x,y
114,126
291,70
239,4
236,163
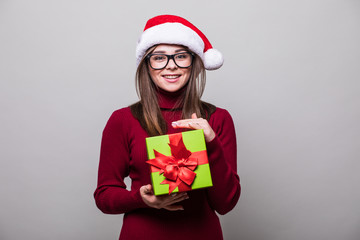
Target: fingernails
x,y
174,124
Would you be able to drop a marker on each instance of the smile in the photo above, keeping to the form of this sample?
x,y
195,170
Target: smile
x,y
171,76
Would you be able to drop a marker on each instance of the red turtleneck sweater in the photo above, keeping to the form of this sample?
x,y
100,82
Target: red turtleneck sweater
x,y
123,154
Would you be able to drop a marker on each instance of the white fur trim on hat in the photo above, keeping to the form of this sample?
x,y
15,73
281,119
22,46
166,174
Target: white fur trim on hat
x,y
171,29
169,33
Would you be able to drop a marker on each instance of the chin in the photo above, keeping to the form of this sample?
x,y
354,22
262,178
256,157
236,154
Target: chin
x,y
171,89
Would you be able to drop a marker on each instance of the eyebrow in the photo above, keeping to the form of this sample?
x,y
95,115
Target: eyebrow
x,y
178,50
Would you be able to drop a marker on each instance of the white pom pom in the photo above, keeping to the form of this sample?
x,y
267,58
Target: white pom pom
x,y
213,59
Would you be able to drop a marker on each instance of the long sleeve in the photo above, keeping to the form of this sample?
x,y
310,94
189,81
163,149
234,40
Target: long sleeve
x,y
222,152
111,195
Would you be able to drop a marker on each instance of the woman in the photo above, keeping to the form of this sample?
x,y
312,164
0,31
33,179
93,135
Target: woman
x,y
172,55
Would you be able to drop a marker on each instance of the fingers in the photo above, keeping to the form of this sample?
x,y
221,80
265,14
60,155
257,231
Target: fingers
x,y
164,201
172,198
146,189
177,197
174,207
196,123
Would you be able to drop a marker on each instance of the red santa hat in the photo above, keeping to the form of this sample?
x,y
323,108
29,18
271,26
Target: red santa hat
x,y
170,29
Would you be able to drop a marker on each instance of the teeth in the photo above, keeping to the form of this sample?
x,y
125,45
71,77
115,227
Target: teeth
x,y
171,76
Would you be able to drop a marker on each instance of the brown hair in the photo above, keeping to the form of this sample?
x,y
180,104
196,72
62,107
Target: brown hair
x,y
147,110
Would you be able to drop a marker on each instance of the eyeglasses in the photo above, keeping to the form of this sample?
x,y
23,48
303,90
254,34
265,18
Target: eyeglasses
x,y
159,61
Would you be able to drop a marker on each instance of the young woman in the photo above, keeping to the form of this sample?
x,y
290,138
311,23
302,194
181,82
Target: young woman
x,y
172,55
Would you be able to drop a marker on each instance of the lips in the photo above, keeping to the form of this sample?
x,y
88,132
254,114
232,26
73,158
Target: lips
x,y
171,77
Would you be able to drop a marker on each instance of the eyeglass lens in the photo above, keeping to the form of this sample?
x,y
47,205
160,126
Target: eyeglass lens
x,y
159,61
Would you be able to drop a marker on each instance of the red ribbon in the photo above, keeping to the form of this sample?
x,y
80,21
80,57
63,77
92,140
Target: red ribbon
x,y
178,169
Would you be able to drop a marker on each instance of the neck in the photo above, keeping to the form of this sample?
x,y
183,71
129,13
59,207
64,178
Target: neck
x,y
170,100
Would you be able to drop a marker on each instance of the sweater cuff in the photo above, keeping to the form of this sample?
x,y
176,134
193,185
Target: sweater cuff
x,y
214,149
214,145
138,199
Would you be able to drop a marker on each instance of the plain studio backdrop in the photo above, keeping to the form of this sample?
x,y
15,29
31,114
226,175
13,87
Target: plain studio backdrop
x,y
291,81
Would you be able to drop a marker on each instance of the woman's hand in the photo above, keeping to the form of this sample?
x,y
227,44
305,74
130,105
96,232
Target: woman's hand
x,y
196,123
163,201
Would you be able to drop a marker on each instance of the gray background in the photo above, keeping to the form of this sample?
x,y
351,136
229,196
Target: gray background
x,y
290,80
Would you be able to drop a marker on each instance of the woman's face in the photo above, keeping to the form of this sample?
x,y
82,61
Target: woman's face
x,y
171,78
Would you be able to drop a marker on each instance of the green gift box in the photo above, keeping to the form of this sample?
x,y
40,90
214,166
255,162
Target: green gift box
x,y
178,162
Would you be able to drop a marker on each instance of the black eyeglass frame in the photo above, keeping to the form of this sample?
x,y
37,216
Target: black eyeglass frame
x,y
168,59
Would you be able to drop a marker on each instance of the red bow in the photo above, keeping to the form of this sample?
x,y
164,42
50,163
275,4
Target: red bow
x,y
177,168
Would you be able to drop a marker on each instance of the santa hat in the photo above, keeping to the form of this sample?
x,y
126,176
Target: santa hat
x,y
170,29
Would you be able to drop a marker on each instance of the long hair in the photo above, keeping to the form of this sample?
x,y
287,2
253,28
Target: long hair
x,y
147,110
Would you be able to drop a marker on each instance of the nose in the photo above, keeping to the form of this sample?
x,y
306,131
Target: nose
x,y
171,64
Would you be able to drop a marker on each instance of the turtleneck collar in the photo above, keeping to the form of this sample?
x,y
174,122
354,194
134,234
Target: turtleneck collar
x,y
169,100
